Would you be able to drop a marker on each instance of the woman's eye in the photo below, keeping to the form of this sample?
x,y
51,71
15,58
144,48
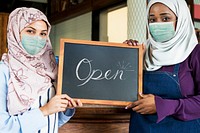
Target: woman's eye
x,y
151,20
43,34
166,19
30,31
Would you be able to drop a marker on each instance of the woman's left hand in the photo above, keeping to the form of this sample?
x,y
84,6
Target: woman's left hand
x,y
74,103
145,105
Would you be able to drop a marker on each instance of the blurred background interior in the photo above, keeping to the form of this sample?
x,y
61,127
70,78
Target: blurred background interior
x,y
97,20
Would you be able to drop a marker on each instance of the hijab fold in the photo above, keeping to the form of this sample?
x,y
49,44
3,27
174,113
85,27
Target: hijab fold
x,y
30,75
177,49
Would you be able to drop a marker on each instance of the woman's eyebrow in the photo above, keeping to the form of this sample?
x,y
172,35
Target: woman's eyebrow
x,y
44,30
151,15
31,27
162,14
36,29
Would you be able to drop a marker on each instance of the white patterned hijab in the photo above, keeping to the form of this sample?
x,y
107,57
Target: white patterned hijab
x,y
177,49
30,75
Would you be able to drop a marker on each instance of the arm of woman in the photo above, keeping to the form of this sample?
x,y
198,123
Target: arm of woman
x,y
66,115
183,109
63,104
187,108
29,121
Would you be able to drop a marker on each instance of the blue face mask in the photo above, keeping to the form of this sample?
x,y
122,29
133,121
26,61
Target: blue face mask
x,y
162,32
33,44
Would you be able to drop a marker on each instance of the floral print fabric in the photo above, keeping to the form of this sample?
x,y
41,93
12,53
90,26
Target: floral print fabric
x,y
30,75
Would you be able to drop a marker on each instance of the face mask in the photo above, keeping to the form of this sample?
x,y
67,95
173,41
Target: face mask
x,y
162,32
33,44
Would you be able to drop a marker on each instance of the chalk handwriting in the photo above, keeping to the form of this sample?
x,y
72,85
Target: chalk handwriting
x,y
98,74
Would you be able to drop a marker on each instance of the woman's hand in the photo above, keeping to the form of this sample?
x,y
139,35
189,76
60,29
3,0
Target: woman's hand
x,y
59,103
131,42
145,105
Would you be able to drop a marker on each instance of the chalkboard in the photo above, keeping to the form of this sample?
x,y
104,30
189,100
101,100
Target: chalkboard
x,y
100,72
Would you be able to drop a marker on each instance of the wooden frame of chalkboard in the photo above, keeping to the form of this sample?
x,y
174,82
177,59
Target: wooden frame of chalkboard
x,y
102,73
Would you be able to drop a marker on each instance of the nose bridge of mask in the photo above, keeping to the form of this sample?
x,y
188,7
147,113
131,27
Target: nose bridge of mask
x,y
162,31
162,25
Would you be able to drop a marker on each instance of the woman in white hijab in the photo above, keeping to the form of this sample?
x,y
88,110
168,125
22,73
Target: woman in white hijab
x,y
28,103
170,102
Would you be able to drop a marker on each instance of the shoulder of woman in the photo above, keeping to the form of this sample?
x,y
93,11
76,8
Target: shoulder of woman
x,y
196,50
4,68
194,59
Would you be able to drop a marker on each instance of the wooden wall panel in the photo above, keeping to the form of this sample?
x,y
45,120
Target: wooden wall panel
x,y
98,4
3,32
61,10
98,120
94,128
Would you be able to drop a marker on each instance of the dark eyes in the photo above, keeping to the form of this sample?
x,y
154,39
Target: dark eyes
x,y
32,32
166,19
162,19
43,34
151,20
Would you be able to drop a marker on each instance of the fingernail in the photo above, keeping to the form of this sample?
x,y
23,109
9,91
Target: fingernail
x,y
70,100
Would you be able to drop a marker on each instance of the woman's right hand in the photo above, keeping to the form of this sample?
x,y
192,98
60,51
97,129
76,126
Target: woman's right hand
x,y
131,42
59,103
